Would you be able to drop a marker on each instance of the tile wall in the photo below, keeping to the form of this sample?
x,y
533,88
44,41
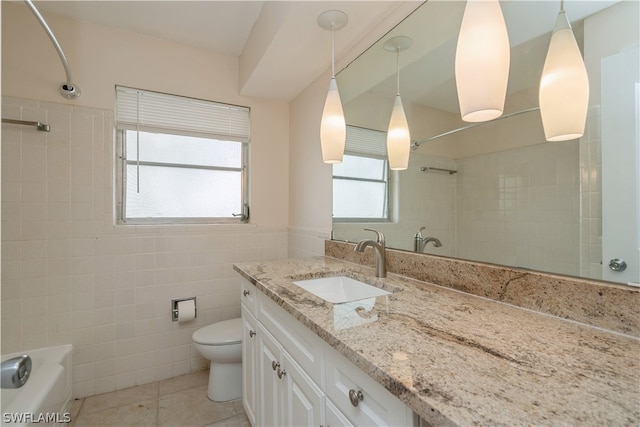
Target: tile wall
x,y
521,207
591,197
70,276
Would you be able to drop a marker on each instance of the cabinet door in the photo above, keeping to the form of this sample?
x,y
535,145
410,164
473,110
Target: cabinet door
x,y
269,388
303,400
333,417
249,364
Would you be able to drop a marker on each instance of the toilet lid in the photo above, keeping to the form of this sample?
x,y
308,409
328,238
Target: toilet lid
x,y
220,333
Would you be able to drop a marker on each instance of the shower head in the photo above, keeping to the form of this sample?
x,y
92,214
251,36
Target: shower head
x,y
69,90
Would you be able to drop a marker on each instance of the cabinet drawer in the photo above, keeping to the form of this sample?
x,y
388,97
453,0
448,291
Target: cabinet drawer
x,y
249,296
302,344
377,407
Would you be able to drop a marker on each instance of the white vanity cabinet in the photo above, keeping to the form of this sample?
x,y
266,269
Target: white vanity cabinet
x,y
291,377
288,396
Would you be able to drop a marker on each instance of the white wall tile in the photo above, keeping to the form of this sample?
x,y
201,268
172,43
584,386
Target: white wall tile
x,y
70,276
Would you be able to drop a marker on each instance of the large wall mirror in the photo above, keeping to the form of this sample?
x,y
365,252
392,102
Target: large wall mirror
x,y
499,192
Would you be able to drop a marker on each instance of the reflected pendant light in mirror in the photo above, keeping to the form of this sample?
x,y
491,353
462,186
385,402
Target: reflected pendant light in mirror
x,y
398,135
482,61
564,86
333,130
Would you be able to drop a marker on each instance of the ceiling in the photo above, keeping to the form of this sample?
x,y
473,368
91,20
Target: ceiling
x,y
272,39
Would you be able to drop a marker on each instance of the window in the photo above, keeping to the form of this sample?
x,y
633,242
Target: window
x,y
180,159
361,181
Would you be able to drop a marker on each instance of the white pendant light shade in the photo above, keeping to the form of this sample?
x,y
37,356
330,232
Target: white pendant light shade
x,y
398,135
482,61
564,86
398,138
333,129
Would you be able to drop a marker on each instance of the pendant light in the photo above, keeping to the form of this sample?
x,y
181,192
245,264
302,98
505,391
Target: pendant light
x,y
564,86
333,130
398,136
482,61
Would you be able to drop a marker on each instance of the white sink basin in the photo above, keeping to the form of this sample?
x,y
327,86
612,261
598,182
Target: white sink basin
x,y
340,289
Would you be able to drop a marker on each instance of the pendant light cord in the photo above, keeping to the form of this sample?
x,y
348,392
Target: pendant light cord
x,y
561,5
398,69
333,49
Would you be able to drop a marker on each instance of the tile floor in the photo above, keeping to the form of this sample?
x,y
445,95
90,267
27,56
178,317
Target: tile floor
x,y
180,401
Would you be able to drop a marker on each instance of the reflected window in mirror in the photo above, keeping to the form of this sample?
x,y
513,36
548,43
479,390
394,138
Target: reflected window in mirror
x,y
361,181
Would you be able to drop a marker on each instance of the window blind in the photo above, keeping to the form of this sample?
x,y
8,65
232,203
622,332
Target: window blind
x,y
154,111
366,141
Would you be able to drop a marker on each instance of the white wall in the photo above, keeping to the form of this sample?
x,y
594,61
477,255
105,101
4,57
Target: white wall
x,y
310,184
68,274
101,57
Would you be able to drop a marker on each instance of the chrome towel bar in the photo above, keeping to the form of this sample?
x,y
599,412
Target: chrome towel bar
x,y
41,126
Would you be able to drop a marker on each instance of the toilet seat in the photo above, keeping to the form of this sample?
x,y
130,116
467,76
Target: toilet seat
x,y
221,333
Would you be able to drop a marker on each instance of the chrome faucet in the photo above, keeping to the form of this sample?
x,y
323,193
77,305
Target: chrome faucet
x,y
379,249
419,243
436,242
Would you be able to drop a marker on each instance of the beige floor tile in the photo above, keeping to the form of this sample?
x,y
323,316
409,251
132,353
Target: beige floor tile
x,y
143,413
237,404
126,396
183,382
192,408
237,421
75,407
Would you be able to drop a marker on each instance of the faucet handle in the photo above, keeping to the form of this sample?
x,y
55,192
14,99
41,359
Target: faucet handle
x,y
380,236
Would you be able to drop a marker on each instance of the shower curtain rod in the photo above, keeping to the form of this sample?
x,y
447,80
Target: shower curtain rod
x,y
416,144
67,89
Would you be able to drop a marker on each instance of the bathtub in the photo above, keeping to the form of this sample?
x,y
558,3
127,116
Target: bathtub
x,y
45,399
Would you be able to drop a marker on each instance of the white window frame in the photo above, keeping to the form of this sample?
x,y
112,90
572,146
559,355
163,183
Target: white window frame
x,y
125,120
363,142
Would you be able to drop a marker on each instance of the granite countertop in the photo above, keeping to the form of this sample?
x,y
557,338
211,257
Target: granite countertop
x,y
460,359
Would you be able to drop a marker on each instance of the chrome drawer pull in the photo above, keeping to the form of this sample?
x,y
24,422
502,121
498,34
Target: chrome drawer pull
x,y
281,373
355,397
246,292
275,365
252,333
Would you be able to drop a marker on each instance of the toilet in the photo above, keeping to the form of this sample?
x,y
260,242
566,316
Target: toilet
x,y
221,343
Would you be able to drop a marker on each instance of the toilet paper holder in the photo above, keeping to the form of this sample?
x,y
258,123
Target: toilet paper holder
x,y
174,307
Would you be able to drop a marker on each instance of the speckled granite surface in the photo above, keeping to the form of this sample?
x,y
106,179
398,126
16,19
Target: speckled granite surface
x,y
606,305
459,359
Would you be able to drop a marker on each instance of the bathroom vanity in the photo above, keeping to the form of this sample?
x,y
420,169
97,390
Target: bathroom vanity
x,y
422,352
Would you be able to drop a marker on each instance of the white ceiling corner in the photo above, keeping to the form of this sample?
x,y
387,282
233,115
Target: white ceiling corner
x,y
295,52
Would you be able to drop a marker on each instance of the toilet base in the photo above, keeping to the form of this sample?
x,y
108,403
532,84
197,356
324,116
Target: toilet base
x,y
225,382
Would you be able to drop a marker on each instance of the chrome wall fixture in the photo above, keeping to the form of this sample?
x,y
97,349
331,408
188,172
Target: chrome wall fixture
x,y
429,168
41,126
67,89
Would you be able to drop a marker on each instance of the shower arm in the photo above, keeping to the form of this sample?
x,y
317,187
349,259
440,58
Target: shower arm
x,y
67,89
